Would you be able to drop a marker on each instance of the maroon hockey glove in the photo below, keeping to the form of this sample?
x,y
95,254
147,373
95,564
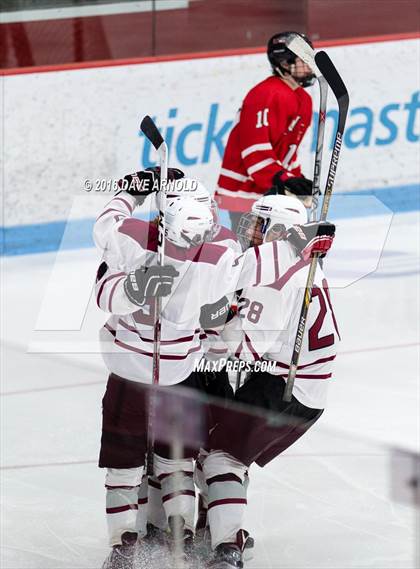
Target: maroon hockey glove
x,y
311,238
147,282
145,182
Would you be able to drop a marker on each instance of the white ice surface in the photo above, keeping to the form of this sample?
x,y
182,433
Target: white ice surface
x,y
324,504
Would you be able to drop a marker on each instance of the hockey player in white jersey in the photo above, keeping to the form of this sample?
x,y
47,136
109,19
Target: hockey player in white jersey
x,y
202,272
265,329
135,188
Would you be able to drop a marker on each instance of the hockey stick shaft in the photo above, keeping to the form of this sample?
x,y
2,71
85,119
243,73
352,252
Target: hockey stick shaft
x,y
339,89
304,51
150,130
316,184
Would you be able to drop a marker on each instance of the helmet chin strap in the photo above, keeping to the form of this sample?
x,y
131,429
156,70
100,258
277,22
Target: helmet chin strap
x,y
287,76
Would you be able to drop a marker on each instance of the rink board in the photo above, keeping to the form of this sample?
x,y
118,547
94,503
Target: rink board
x,y
78,125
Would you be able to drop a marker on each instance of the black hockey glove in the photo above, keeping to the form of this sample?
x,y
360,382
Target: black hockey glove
x,y
300,187
215,314
147,282
145,182
311,238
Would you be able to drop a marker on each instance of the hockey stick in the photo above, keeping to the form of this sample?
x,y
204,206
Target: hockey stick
x,y
334,80
302,49
150,130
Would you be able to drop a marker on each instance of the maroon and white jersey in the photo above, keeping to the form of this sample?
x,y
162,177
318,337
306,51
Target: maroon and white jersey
x,y
122,207
267,320
206,273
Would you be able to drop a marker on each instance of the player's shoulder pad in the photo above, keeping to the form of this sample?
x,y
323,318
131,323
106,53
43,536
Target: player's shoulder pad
x,y
209,253
142,232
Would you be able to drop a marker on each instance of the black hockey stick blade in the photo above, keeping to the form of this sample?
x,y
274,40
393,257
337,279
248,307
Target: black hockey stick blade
x,y
149,129
328,70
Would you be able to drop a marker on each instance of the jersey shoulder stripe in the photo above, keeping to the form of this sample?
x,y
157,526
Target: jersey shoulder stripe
x,y
142,232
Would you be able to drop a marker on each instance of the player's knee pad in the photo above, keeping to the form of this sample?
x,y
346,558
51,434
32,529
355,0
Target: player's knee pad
x,y
165,466
218,463
123,476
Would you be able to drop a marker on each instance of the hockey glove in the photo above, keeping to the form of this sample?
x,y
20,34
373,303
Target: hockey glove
x,y
300,187
311,238
147,282
141,184
216,314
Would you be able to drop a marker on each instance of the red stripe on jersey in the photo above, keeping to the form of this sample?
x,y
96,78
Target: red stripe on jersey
x,y
258,256
101,288
164,342
279,283
154,484
145,234
251,348
108,327
111,294
142,501
225,501
312,376
211,332
238,350
150,354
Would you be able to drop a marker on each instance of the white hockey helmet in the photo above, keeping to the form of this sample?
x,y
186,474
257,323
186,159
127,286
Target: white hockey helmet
x,y
191,188
188,223
275,213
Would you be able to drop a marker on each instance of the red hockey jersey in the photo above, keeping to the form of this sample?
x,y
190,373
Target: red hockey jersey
x,y
272,122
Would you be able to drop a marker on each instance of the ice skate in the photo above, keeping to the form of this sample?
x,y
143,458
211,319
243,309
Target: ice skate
x,y
227,556
122,556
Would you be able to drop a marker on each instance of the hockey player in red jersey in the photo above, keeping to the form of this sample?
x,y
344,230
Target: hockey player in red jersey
x,y
261,151
265,329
